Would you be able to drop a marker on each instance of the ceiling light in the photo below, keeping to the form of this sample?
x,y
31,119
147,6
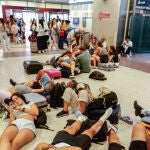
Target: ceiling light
x,y
43,1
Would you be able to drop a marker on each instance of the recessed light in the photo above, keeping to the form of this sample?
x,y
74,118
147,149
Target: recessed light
x,y
43,1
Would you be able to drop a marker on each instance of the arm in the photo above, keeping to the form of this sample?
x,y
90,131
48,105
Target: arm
x,y
38,90
33,110
12,117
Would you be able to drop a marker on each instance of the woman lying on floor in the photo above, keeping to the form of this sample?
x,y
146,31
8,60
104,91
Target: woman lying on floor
x,y
21,129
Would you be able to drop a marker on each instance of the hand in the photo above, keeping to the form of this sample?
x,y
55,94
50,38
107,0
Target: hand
x,y
18,108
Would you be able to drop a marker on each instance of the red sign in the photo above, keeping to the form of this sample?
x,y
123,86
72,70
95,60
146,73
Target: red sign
x,y
103,15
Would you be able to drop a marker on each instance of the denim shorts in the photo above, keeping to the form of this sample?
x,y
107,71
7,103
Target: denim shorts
x,y
45,81
24,124
69,41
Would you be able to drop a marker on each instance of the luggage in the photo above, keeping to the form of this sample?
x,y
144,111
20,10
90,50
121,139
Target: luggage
x,y
32,67
85,39
66,72
33,47
106,66
53,73
38,99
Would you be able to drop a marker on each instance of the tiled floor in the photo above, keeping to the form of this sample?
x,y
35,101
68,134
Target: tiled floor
x,y
129,84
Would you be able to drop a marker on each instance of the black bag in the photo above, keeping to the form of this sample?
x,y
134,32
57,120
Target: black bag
x,y
97,75
56,94
101,136
66,72
41,120
32,67
32,37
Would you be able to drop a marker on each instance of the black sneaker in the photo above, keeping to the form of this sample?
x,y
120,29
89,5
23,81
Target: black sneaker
x,y
138,109
12,82
62,113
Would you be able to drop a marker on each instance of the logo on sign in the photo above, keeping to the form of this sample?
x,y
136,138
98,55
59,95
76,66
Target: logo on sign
x,y
103,15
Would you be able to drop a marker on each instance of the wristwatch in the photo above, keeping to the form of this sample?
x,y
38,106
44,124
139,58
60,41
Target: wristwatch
x,y
23,109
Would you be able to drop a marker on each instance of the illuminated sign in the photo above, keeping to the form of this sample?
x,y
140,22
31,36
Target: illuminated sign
x,y
142,2
103,15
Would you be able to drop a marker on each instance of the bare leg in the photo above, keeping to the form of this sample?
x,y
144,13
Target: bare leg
x,y
138,133
113,138
66,105
8,135
72,67
74,128
40,74
23,137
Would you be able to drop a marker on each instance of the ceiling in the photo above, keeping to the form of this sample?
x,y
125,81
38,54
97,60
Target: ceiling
x,y
49,1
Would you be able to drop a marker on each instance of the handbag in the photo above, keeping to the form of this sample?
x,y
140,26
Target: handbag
x,y
32,38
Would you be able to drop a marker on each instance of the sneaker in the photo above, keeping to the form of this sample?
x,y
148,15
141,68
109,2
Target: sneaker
x,y
77,70
13,83
42,51
82,117
138,109
126,119
71,76
47,62
62,113
39,52
111,127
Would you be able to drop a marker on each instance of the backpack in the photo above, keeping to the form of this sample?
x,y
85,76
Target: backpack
x,y
101,136
41,120
98,106
97,75
56,94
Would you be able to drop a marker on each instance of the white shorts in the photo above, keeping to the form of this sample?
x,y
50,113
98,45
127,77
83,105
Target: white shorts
x,y
24,124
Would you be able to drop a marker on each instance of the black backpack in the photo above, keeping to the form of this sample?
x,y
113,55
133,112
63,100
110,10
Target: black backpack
x,y
56,95
41,120
97,75
101,136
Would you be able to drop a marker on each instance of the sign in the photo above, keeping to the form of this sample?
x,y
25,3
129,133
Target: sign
x,y
103,15
142,2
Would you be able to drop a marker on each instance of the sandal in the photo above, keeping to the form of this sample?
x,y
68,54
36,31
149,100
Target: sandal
x,y
126,119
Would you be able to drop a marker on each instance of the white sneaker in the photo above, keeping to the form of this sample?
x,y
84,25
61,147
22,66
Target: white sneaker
x,y
71,76
43,51
39,52
110,126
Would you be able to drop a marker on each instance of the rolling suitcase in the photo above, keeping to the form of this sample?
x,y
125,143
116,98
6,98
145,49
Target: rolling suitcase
x,y
38,99
106,66
33,47
53,73
32,67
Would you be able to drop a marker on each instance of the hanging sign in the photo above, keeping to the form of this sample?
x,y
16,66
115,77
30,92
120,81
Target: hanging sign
x,y
102,15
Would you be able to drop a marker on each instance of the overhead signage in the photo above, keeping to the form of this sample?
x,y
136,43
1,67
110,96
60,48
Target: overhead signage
x,y
142,2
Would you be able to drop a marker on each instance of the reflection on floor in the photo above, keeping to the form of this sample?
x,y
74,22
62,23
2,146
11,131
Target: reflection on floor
x,y
129,84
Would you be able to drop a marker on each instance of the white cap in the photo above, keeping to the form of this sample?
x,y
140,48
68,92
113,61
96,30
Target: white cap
x,y
80,86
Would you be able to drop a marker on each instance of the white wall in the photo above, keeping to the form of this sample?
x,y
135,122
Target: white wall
x,y
82,9
107,27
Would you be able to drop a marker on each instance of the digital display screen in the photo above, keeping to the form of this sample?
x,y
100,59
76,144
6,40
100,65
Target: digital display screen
x,y
75,20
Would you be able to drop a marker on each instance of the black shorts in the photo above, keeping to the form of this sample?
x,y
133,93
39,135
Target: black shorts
x,y
115,146
138,145
83,141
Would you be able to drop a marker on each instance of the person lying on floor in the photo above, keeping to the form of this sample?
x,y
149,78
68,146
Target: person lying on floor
x,y
66,61
26,87
42,79
66,139
21,129
71,98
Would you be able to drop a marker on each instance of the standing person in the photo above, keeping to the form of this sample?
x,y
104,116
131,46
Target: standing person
x,y
3,35
54,33
41,40
126,46
33,26
21,129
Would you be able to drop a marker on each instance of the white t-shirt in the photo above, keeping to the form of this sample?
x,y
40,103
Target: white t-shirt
x,y
128,44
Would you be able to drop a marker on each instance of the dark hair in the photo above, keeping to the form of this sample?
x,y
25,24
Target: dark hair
x,y
82,48
36,85
74,82
112,47
20,95
67,52
74,45
99,44
127,37
41,22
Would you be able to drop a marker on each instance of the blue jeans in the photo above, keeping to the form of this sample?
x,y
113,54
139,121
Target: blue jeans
x,y
45,81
